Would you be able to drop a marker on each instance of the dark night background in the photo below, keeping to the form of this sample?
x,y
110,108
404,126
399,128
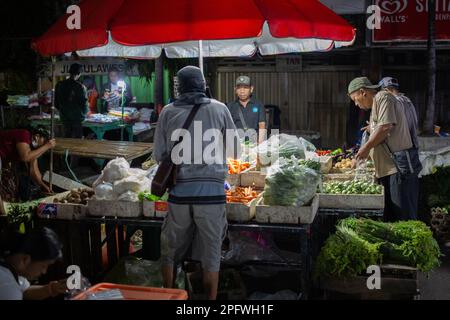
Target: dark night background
x,y
21,22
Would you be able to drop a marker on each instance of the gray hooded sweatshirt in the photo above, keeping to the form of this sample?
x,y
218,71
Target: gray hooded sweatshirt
x,y
197,181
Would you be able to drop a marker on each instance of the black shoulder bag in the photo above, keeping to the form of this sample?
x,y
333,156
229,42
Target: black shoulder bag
x,y
406,161
166,175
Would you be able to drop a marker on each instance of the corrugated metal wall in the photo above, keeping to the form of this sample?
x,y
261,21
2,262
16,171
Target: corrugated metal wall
x,y
310,100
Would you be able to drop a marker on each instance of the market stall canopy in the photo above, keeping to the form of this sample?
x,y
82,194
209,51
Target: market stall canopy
x,y
143,28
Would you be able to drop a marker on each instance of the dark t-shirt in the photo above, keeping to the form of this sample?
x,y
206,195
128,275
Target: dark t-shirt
x,y
9,140
253,114
71,100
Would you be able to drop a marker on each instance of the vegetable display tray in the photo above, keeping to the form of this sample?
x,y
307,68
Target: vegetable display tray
x,y
113,208
287,214
351,201
62,211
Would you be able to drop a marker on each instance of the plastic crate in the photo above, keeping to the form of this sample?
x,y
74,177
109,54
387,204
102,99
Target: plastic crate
x,y
137,293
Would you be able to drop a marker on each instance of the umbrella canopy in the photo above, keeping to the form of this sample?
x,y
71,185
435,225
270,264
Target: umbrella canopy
x,y
143,28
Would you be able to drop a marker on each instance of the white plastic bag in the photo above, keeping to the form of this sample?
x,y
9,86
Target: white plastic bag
x,y
115,170
282,146
136,172
104,191
134,184
128,196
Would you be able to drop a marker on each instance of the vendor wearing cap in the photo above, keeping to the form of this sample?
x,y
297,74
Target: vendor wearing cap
x,y
388,146
248,114
391,84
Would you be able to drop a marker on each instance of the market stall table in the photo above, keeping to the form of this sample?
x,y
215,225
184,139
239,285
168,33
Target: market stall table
x,y
85,249
98,128
103,149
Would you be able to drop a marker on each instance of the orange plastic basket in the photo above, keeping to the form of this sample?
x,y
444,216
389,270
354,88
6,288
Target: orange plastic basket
x,y
137,293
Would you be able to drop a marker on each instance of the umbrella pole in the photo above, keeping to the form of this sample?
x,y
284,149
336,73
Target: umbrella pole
x,y
200,54
52,123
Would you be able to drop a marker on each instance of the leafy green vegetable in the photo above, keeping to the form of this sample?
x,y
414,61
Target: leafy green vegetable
x,y
336,152
290,184
351,250
151,197
346,254
18,213
315,165
406,242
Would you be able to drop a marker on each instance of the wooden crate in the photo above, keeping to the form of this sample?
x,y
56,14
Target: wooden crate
x,y
114,208
285,214
397,281
351,201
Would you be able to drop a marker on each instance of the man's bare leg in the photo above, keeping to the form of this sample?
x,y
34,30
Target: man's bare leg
x,y
211,283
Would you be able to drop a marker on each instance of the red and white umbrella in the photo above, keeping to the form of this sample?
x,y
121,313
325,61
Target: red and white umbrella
x,y
197,28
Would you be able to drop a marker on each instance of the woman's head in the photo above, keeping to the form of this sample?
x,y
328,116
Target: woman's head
x,y
39,137
32,253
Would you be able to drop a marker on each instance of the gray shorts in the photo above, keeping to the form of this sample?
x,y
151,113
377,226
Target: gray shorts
x,y
202,226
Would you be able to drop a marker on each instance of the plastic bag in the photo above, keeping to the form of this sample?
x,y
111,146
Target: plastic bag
x,y
138,272
136,172
115,170
104,191
245,247
134,184
281,146
129,196
290,184
152,172
308,146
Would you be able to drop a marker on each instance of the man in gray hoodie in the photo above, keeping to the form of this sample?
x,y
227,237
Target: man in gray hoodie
x,y
196,214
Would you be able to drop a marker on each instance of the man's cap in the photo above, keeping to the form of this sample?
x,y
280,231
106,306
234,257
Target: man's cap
x,y
387,82
243,81
360,83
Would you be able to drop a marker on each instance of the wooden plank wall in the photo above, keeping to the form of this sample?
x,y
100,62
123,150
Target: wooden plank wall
x,y
309,100
414,84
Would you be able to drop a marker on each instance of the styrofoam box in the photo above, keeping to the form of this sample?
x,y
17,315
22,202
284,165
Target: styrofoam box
x,y
62,211
253,179
351,201
114,208
148,209
241,212
234,179
287,214
161,209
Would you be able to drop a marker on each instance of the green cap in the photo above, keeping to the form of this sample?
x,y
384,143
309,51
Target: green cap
x,y
243,81
359,83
